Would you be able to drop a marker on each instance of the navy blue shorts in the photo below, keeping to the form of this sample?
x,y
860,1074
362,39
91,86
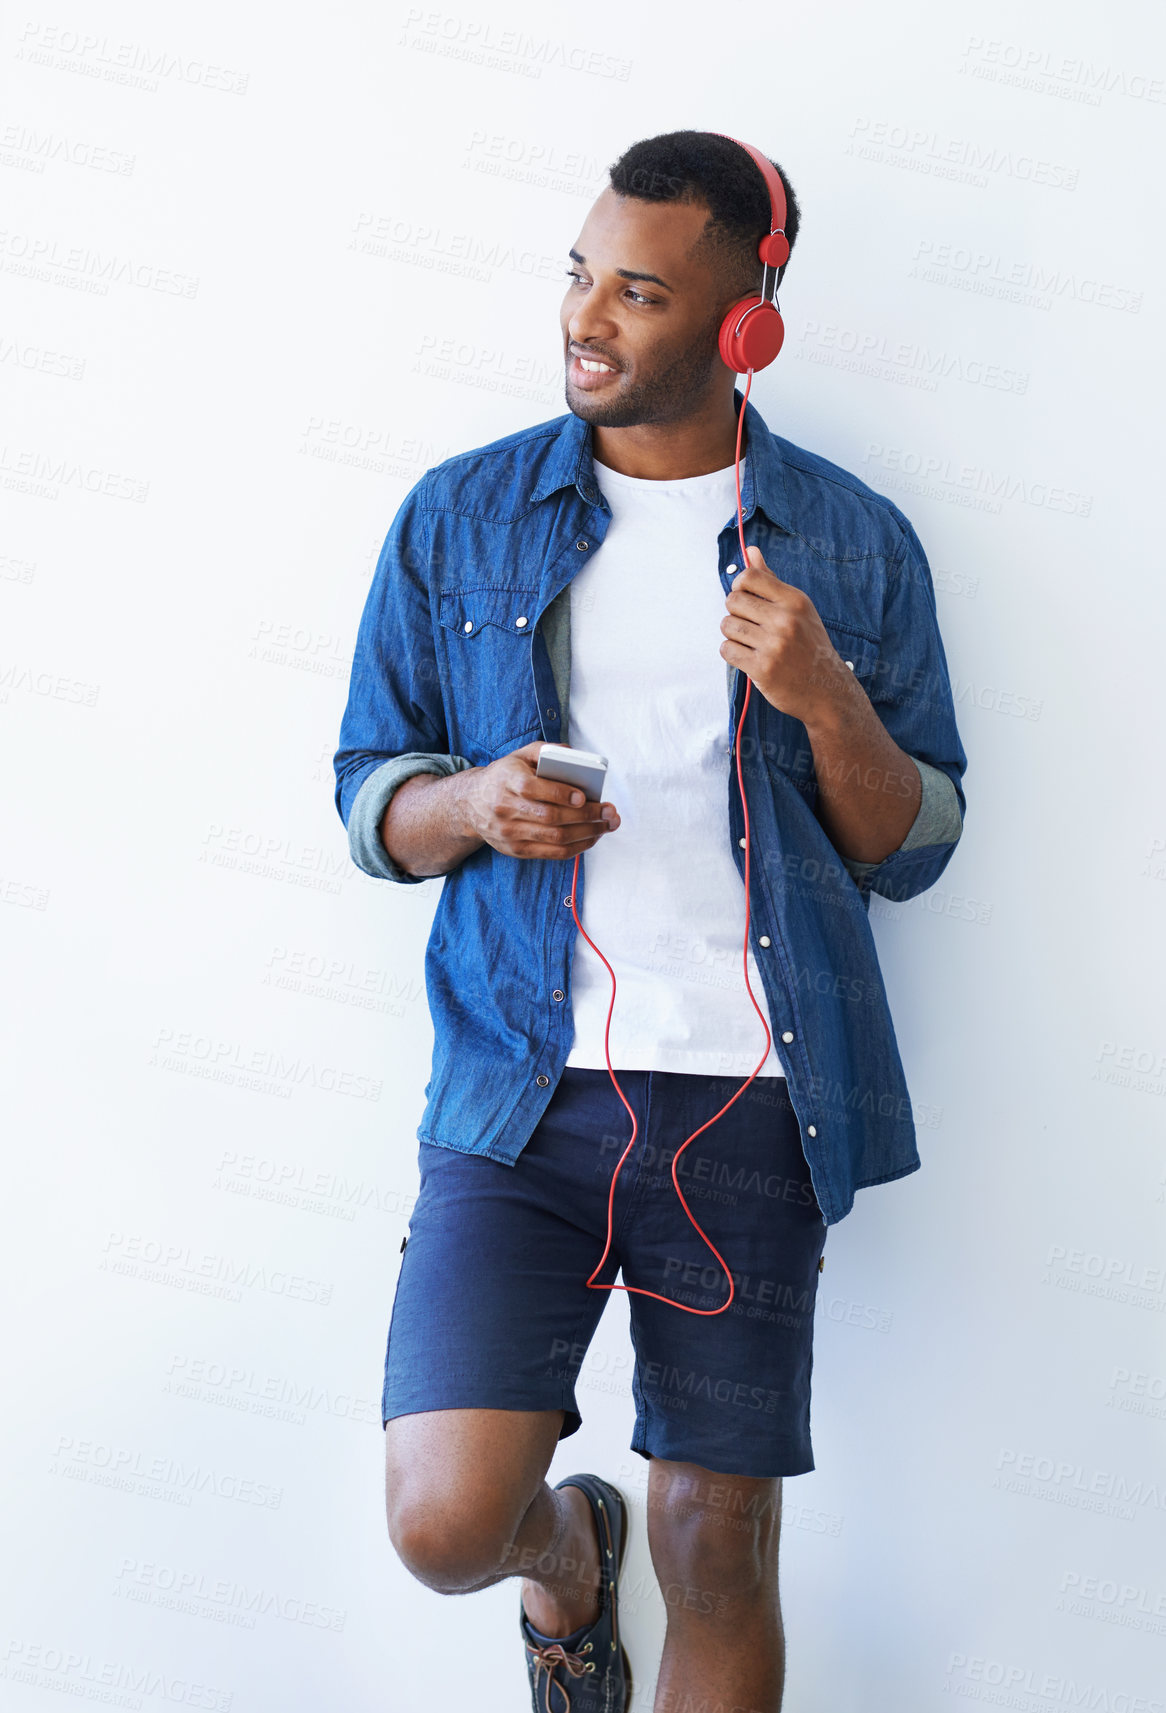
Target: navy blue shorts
x,y
492,1309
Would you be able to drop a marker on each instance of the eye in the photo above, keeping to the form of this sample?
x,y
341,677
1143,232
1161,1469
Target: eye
x,y
638,295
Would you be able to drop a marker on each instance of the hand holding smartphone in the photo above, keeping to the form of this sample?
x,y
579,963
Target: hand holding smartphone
x,y
520,804
578,767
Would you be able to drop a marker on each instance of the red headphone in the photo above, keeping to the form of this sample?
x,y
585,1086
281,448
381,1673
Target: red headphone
x,y
752,331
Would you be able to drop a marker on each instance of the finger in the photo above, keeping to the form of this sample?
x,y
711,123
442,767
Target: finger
x,y
571,841
756,574
528,752
755,561
559,853
763,585
543,815
528,781
549,790
742,631
736,655
748,605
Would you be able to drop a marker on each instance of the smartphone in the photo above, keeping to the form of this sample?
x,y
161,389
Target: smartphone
x,y
577,767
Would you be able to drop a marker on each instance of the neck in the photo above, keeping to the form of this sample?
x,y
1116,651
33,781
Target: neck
x,y
671,451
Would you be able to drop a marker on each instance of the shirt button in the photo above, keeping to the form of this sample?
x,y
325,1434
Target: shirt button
x,y
850,663
741,842
520,623
582,545
787,1035
558,994
468,626
811,1130
542,1081
764,940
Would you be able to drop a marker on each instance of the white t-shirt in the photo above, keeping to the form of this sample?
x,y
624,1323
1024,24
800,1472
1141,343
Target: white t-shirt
x,y
663,899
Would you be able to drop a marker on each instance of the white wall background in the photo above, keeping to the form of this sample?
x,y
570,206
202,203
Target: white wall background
x,y
260,270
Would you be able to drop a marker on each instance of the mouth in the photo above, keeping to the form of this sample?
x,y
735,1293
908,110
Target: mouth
x,y
588,373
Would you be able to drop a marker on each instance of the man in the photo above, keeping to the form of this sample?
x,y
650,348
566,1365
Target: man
x,y
580,582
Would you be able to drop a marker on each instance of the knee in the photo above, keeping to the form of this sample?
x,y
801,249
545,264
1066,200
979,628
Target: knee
x,y
709,1566
448,1541
705,1577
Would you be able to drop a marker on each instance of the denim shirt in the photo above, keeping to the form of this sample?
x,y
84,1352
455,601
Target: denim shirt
x,y
463,654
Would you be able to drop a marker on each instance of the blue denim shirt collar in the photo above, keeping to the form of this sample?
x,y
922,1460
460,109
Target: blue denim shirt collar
x,y
570,463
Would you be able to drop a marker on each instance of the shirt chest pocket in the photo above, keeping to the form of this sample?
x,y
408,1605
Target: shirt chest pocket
x,y
859,651
489,689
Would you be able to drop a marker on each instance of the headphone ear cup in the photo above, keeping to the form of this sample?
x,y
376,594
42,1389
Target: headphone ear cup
x,y
751,334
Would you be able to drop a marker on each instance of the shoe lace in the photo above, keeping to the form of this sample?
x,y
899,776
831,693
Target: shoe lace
x,y
548,1657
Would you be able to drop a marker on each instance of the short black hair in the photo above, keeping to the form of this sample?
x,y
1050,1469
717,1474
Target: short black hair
x,y
702,166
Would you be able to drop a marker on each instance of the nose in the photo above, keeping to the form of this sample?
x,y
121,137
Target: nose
x,y
589,319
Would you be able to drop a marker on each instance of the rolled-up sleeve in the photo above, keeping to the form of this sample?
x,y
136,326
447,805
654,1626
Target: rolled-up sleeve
x,y
912,695
394,722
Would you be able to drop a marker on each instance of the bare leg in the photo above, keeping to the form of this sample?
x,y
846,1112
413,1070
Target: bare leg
x,y
467,1506
714,1543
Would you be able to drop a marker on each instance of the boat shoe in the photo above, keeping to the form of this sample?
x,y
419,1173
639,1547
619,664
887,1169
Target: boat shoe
x,y
587,1671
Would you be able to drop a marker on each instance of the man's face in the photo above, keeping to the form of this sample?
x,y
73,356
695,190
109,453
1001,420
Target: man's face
x,y
657,335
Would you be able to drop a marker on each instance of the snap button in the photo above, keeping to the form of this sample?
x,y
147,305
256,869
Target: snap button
x,y
567,901
741,842
469,625
542,1081
558,994
811,1130
787,1035
764,940
552,713
520,623
850,663
582,545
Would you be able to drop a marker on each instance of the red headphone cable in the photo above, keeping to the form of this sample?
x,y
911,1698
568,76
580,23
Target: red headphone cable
x,y
639,1289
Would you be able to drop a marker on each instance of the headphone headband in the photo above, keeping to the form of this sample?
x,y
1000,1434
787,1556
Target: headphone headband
x,y
752,331
773,250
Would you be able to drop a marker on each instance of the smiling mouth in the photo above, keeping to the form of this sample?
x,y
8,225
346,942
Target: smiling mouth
x,y
585,374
